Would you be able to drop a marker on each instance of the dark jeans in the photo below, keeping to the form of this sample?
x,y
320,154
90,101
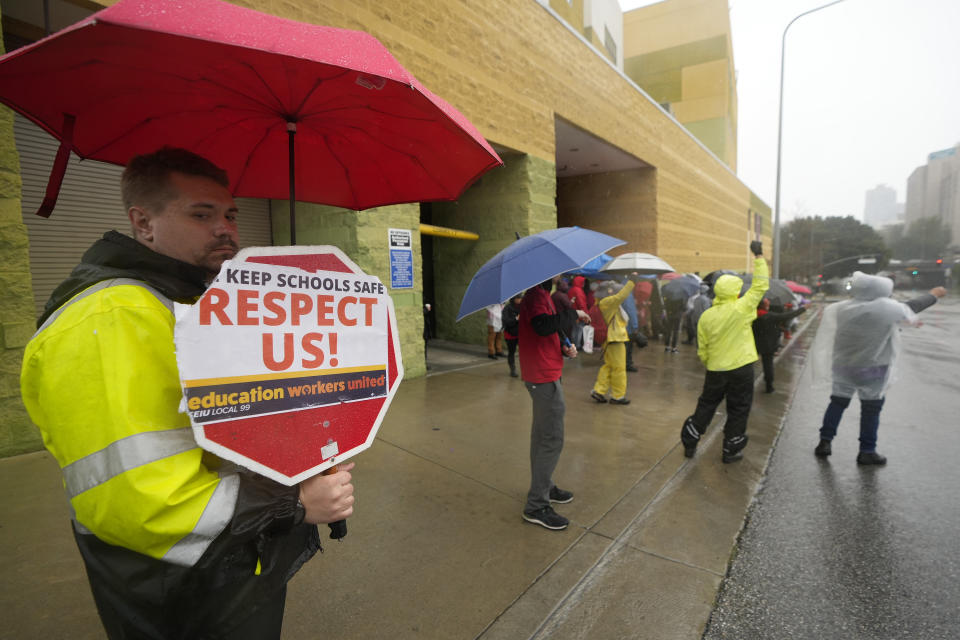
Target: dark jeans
x,y
737,387
869,421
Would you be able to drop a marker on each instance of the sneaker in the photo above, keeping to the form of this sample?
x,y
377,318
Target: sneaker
x,y
666,349
769,389
871,457
514,374
623,400
823,449
675,350
689,437
491,356
547,518
632,368
560,496
597,397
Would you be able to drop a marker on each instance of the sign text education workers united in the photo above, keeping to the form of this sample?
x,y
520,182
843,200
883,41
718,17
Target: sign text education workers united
x,y
289,360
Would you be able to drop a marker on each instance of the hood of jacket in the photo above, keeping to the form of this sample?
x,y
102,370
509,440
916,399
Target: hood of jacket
x,y
119,256
867,287
727,288
578,281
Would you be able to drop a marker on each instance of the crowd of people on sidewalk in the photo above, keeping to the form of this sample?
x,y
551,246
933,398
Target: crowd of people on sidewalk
x,y
729,328
178,543
732,325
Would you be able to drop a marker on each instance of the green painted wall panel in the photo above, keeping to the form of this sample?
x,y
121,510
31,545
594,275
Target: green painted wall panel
x,y
519,197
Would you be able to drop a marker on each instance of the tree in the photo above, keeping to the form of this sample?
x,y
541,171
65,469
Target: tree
x,y
923,239
810,243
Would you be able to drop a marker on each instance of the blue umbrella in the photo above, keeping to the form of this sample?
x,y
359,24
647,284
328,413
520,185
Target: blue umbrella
x,y
592,267
530,261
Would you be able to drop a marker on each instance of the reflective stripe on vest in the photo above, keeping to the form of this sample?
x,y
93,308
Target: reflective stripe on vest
x,y
123,455
216,516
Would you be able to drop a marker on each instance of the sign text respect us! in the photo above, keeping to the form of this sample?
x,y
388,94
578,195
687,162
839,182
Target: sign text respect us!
x,y
285,370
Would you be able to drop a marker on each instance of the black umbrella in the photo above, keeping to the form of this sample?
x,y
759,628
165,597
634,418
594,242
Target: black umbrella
x,y
711,277
681,288
778,294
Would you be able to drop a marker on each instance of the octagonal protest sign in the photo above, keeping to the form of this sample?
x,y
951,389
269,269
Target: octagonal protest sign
x,y
289,360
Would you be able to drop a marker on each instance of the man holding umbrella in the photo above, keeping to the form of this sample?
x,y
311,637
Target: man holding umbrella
x,y
542,349
177,543
534,263
726,347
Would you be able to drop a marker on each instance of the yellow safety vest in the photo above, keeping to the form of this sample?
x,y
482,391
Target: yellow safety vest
x,y
100,380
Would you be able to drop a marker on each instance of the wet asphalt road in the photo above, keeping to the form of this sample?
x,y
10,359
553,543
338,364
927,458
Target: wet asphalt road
x,y
833,550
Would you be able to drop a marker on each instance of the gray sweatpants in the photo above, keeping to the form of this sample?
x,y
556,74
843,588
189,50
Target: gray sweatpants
x,y
546,440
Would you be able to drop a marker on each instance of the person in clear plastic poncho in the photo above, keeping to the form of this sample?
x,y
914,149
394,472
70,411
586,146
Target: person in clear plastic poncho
x,y
856,350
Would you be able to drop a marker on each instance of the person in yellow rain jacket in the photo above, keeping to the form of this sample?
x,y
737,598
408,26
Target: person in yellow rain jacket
x,y
612,376
177,543
726,348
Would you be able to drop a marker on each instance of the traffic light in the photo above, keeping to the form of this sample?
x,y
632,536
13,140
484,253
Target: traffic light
x,y
939,260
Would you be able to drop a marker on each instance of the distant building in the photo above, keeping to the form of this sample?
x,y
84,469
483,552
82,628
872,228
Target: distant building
x,y
881,208
600,22
681,53
934,190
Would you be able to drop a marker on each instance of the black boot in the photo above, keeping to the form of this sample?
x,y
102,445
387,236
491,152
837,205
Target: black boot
x,y
689,437
733,448
871,457
823,449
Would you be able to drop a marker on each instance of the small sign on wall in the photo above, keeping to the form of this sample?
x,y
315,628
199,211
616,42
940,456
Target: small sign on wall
x,y
401,258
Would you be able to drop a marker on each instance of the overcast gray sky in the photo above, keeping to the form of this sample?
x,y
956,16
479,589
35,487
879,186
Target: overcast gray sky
x,y
872,87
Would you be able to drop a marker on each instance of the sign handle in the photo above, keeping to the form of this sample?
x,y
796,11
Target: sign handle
x,y
338,529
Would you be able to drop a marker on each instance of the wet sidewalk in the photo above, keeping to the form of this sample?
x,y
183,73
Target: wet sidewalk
x,y
437,548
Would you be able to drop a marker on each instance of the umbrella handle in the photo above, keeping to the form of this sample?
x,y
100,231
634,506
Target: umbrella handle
x,y
338,529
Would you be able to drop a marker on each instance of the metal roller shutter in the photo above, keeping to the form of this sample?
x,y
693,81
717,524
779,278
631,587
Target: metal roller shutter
x,y
89,205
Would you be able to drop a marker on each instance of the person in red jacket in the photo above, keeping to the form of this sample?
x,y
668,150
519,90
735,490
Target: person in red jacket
x,y
578,300
578,297
543,345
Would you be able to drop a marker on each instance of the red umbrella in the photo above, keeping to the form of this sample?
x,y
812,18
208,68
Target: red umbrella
x,y
672,275
288,109
798,288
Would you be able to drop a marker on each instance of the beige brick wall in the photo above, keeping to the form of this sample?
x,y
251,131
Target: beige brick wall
x,y
511,68
622,204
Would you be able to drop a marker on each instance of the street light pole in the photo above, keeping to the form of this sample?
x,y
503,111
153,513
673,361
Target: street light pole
x,y
776,215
